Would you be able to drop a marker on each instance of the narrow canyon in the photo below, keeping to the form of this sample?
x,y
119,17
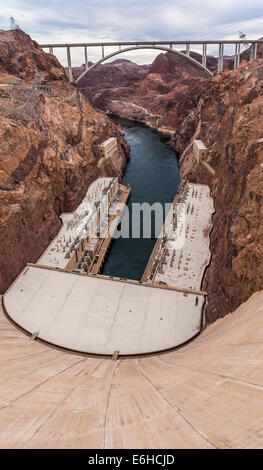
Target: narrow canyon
x,y
225,112
49,150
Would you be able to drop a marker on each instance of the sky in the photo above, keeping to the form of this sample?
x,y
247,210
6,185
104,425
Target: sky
x,y
64,21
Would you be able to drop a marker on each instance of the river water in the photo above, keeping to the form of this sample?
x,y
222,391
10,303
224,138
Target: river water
x,y
153,175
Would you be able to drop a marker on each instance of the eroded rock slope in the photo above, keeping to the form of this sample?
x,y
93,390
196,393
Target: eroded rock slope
x,y
229,120
48,150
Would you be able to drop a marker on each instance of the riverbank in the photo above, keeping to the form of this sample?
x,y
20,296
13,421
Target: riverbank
x,y
153,175
165,132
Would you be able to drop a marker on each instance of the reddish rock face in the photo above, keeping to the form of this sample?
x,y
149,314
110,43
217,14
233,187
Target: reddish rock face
x,y
229,120
146,93
22,57
165,91
120,72
226,113
48,151
108,83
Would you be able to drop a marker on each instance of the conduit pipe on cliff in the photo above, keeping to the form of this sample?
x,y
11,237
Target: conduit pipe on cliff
x,y
208,167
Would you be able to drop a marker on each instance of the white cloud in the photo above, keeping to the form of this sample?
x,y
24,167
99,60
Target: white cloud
x,y
49,21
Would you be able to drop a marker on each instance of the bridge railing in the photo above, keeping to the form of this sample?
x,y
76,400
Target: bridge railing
x,y
165,44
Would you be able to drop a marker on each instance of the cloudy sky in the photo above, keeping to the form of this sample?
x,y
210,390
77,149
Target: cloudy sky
x,y
49,21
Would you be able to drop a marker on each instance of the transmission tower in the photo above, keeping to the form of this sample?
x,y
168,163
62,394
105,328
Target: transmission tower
x,y
13,24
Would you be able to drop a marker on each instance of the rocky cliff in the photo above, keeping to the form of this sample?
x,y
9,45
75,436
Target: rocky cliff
x,y
118,73
164,92
49,137
146,93
110,86
229,120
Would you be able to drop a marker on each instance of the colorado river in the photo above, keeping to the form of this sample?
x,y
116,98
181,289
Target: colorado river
x,y
153,175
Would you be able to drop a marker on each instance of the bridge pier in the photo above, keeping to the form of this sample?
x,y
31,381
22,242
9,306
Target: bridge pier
x,y
253,52
188,49
70,74
86,58
204,55
221,58
254,48
103,52
235,60
51,50
237,56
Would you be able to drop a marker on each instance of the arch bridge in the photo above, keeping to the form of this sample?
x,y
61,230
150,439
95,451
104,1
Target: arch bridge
x,y
167,46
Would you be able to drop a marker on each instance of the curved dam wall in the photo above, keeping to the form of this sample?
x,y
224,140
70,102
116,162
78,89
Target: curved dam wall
x,y
101,316
209,394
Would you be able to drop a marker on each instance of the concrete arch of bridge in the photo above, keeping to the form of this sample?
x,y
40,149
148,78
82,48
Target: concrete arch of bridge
x,y
133,48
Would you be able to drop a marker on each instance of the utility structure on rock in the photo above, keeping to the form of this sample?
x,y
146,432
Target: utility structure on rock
x,y
13,24
201,154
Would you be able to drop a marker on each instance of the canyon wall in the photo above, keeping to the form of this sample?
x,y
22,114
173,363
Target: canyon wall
x,y
48,150
229,120
226,113
146,93
49,153
164,92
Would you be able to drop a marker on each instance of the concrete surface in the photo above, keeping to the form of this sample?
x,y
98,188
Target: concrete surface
x,y
208,394
182,262
79,229
185,267
101,316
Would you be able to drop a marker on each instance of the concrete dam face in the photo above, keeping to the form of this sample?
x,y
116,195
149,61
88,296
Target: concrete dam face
x,y
204,395
134,391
